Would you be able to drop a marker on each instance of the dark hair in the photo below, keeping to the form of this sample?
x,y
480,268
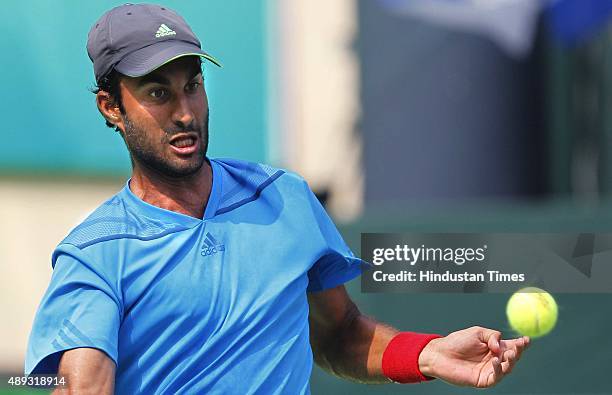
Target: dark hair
x,y
110,84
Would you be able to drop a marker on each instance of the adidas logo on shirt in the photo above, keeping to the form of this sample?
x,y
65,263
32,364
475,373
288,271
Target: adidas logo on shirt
x,y
164,31
211,246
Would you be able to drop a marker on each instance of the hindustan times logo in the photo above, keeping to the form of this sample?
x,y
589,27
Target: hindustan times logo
x,y
412,255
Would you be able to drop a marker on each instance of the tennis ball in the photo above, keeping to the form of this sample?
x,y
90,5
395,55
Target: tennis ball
x,y
532,312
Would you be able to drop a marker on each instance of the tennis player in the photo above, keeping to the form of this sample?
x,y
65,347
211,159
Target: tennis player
x,y
206,276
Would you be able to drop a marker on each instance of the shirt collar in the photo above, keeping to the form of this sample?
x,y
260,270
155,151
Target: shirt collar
x,y
165,215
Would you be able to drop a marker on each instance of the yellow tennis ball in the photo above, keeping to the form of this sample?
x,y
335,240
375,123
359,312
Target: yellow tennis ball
x,y
532,312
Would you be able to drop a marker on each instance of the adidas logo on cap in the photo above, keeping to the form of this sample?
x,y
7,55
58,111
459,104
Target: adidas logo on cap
x,y
164,31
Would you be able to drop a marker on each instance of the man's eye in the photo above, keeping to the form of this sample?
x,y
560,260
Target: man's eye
x,y
192,86
158,93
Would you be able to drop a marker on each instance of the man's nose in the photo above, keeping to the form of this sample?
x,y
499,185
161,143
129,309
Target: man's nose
x,y
182,115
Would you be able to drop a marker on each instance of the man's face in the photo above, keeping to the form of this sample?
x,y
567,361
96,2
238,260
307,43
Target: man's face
x,y
165,124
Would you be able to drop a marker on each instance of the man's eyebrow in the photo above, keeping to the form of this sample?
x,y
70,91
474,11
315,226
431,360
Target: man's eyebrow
x,y
160,79
152,79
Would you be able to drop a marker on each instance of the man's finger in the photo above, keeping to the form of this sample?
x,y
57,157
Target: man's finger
x,y
492,338
508,362
521,344
506,367
518,345
527,341
497,372
509,356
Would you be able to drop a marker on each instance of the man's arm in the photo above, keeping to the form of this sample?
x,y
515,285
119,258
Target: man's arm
x,y
351,345
345,342
87,371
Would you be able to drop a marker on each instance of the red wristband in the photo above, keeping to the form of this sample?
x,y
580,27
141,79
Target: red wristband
x,y
400,360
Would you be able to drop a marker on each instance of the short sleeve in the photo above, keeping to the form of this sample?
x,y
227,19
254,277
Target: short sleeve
x,y
337,264
79,309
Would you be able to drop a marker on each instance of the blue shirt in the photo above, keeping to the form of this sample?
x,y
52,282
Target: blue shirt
x,y
187,305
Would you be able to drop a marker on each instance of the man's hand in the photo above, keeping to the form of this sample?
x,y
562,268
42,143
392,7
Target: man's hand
x,y
471,357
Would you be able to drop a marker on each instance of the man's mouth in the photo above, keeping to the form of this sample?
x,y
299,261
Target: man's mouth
x,y
184,143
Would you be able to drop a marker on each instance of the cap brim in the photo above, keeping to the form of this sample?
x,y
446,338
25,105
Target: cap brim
x,y
152,57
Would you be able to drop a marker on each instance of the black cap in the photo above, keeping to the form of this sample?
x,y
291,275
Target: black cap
x,y
136,39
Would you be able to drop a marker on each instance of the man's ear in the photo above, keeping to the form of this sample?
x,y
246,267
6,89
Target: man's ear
x,y
109,109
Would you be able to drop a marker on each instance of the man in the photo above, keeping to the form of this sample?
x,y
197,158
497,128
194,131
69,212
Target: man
x,y
213,276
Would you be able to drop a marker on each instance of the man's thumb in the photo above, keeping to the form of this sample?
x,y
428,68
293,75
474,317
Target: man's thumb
x,y
492,338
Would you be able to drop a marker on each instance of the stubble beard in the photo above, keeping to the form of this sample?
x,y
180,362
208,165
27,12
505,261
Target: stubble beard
x,y
144,152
